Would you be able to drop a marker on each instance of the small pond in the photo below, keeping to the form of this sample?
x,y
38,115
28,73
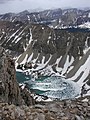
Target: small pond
x,y
53,87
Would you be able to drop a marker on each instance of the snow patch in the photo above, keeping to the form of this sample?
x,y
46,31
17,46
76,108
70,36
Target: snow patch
x,y
25,59
42,28
85,25
30,58
18,40
85,100
89,15
67,64
85,69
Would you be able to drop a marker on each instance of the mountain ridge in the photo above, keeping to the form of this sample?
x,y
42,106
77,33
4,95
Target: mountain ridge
x,y
56,18
56,50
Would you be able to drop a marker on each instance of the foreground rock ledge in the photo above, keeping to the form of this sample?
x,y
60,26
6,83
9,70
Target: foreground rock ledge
x,y
9,88
64,110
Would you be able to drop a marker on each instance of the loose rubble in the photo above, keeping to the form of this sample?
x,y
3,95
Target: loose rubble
x,y
57,110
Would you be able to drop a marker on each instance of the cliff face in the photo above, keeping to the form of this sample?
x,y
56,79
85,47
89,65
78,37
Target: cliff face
x,y
65,51
9,89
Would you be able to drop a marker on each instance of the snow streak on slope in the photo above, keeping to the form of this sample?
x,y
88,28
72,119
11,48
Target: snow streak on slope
x,y
13,35
85,69
17,36
30,40
42,65
67,64
85,25
30,58
25,59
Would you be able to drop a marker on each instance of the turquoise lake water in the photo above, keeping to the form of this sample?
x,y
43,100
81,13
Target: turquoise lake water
x,y
53,87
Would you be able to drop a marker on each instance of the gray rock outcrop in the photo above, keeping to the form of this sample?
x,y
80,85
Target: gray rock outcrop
x,y
9,88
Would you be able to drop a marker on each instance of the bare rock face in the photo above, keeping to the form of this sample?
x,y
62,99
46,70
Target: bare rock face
x,y
56,110
9,88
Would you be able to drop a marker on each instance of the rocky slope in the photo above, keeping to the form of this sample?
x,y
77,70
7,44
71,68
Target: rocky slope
x,y
66,52
63,110
56,18
9,88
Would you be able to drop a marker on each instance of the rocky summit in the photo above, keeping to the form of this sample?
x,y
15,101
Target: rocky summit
x,y
55,18
64,110
9,88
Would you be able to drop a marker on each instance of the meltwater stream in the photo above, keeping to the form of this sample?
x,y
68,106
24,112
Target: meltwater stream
x,y
53,87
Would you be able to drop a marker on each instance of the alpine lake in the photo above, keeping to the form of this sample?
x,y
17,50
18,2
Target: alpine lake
x,y
54,87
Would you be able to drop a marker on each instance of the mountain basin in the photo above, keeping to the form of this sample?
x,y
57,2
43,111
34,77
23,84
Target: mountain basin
x,y
53,87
